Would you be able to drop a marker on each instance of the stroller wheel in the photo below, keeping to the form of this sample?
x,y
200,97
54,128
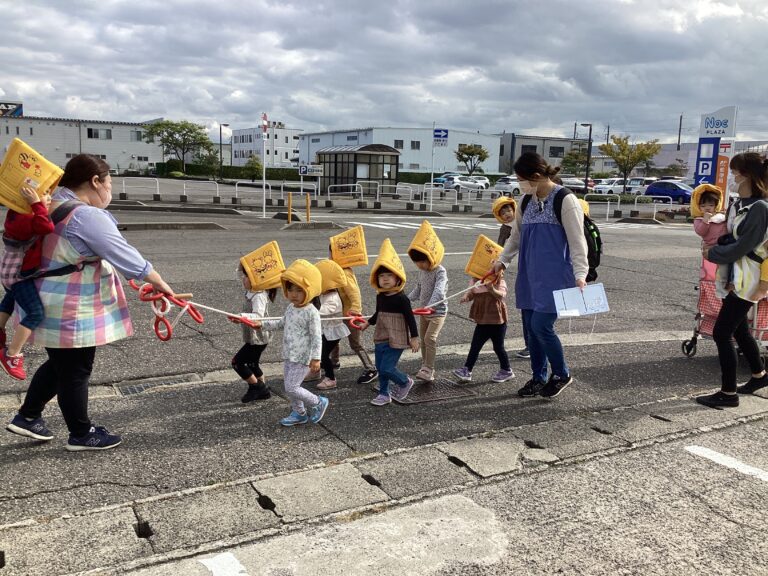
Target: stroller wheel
x,y
689,348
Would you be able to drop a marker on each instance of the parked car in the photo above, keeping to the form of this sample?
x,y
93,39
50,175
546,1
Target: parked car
x,y
466,182
638,185
508,185
575,184
679,192
482,180
610,186
441,179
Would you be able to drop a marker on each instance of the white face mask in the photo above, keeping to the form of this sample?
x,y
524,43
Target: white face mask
x,y
527,187
734,186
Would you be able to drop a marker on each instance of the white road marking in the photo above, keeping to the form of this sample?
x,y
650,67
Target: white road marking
x,y
224,565
728,462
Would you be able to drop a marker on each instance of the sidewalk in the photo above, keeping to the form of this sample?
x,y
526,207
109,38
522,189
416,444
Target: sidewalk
x,y
198,470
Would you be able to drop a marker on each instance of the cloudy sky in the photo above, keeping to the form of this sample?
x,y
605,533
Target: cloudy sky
x,y
529,67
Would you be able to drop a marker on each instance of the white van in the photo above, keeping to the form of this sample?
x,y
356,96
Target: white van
x,y
638,185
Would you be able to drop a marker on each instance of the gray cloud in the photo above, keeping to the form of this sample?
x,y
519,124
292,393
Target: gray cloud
x,y
488,65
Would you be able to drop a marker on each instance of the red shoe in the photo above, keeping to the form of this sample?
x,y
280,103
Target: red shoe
x,y
14,365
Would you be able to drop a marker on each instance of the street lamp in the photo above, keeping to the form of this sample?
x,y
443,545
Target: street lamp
x,y
221,153
589,157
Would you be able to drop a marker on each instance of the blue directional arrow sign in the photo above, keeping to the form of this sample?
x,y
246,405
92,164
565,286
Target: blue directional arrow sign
x,y
440,134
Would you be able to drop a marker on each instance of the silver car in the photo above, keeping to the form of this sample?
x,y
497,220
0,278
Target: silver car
x,y
482,180
508,185
465,182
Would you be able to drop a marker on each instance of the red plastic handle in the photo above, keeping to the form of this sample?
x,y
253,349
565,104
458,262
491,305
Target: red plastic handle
x,y
166,331
245,321
423,311
357,322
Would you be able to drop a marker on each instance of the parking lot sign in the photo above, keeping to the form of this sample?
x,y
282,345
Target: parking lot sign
x,y
311,170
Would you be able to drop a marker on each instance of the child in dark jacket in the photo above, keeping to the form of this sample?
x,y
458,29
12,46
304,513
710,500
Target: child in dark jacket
x,y
395,325
23,239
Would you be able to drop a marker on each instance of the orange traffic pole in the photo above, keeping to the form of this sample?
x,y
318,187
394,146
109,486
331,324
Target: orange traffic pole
x,y
290,206
308,214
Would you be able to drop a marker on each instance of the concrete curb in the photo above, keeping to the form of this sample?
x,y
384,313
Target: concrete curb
x,y
171,226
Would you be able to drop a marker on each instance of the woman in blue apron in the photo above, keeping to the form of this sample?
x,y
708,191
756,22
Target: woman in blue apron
x,y
548,237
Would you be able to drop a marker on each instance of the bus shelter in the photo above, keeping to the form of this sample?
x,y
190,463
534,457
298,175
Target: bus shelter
x,y
344,166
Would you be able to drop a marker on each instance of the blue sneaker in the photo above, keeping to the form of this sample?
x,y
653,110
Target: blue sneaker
x,y
294,418
97,438
316,413
35,429
400,393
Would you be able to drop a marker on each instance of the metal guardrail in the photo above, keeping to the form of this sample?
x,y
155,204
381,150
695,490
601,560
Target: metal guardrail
x,y
655,204
608,207
251,184
188,184
155,180
356,188
367,185
300,185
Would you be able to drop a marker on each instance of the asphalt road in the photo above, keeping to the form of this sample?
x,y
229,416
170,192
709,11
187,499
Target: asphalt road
x,y
193,432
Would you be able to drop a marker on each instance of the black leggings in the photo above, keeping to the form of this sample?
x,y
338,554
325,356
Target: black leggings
x,y
246,361
484,332
325,357
732,322
65,375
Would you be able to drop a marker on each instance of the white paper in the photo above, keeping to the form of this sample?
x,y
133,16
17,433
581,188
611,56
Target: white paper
x,y
573,302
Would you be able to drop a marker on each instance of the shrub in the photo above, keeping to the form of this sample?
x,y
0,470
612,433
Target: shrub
x,y
176,174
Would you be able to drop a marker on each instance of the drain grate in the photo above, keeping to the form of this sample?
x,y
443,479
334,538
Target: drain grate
x,y
139,387
439,389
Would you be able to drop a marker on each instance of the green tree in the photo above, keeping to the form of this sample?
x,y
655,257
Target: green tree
x,y
253,168
471,155
575,162
209,160
179,138
627,155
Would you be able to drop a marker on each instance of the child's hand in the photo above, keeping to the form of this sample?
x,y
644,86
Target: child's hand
x,y
414,343
30,195
314,365
706,217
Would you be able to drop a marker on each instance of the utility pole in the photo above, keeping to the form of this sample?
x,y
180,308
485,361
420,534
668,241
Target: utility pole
x,y
608,134
679,131
574,130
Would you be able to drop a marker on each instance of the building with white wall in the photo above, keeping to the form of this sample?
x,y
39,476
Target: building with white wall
x,y
414,145
281,150
121,144
551,148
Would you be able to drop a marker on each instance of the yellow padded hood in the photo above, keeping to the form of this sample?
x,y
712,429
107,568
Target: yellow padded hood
x,y
499,203
427,242
264,266
333,275
305,276
696,198
485,253
388,259
348,248
584,206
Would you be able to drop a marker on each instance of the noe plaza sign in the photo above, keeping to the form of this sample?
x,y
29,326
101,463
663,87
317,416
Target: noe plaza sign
x,y
720,123
713,154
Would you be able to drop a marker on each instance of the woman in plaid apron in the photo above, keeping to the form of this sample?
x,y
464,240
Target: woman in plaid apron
x,y
84,302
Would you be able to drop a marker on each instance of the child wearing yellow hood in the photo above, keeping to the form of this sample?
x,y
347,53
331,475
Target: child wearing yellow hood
x,y
302,341
395,325
426,251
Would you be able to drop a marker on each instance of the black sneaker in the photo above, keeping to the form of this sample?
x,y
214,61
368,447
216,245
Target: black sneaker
x,y
531,388
719,400
256,392
524,353
97,438
555,385
31,429
367,377
753,384
336,365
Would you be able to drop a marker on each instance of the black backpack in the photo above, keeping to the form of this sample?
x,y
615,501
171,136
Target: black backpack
x,y
591,232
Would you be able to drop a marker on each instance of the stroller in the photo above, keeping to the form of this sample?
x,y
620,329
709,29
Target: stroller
x,y
708,307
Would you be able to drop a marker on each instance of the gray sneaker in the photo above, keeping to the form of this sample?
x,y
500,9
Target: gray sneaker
x,y
400,393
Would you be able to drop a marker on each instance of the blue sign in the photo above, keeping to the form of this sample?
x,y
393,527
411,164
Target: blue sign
x,y
706,160
440,134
